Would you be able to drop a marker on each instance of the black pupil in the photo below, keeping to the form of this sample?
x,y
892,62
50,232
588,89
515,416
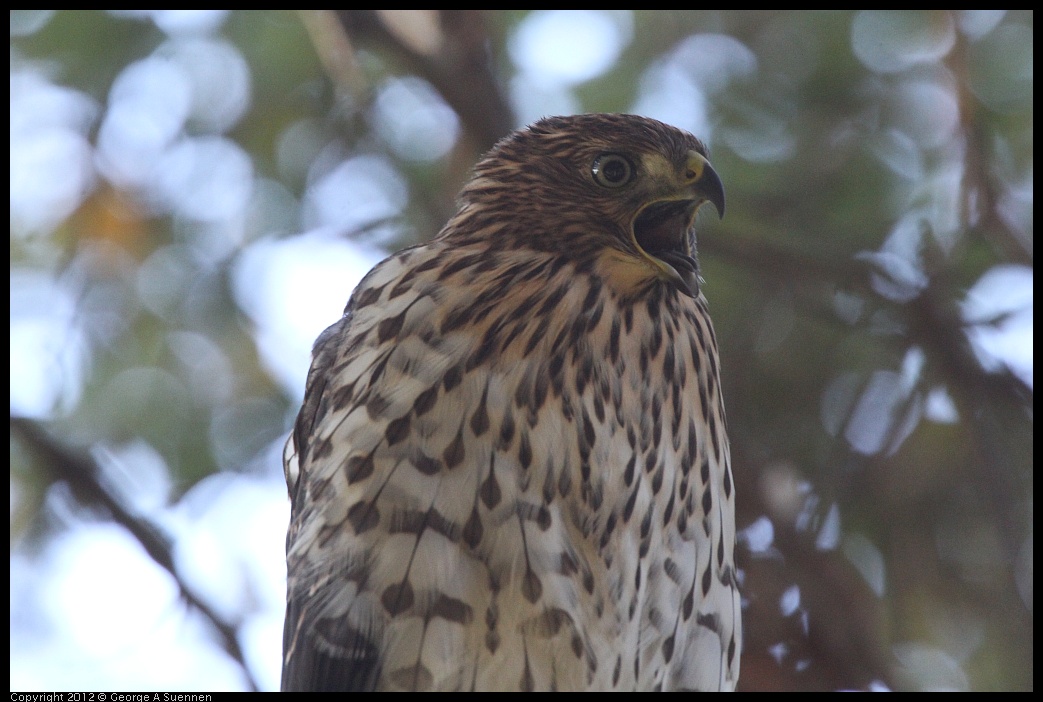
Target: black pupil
x,y
614,170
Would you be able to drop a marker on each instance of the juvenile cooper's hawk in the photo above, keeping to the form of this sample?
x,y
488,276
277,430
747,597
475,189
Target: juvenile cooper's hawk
x,y
511,469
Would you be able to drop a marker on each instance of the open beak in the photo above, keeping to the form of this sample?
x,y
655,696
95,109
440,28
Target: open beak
x,y
662,229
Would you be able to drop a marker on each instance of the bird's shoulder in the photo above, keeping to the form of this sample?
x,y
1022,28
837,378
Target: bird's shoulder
x,y
420,321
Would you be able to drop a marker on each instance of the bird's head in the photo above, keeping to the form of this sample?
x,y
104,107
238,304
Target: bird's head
x,y
619,190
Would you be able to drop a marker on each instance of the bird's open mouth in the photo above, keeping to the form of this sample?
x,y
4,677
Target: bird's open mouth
x,y
662,231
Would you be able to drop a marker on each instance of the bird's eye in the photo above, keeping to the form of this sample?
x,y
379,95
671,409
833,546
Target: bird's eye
x,y
612,170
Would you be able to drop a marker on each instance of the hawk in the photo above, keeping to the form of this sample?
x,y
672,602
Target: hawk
x,y
511,468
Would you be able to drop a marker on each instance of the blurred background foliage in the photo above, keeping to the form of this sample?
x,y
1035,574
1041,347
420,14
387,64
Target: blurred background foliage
x,y
195,193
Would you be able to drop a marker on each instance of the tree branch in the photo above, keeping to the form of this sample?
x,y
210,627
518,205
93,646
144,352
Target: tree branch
x,y
91,486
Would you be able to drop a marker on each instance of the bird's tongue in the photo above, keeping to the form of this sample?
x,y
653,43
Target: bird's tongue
x,y
685,266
